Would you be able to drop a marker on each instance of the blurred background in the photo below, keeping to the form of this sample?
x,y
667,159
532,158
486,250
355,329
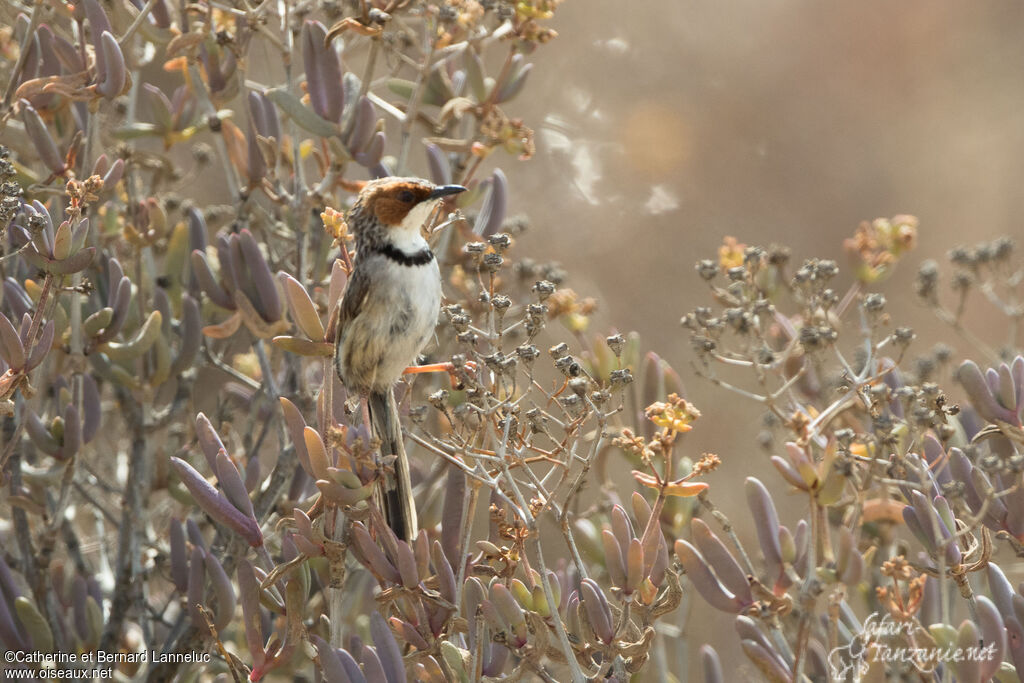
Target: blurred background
x,y
662,127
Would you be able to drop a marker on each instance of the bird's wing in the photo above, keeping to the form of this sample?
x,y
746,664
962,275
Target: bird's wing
x,y
353,298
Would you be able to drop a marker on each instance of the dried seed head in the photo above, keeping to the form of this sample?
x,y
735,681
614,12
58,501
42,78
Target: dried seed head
x,y
961,256
439,399
616,342
927,279
707,269
569,366
903,335
500,241
1002,248
543,289
528,352
492,262
620,378
501,303
962,281
874,303
536,419
558,350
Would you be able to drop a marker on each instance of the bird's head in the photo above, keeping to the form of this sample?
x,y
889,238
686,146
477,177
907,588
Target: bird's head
x,y
400,204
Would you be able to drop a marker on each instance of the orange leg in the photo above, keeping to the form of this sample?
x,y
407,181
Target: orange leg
x,y
438,367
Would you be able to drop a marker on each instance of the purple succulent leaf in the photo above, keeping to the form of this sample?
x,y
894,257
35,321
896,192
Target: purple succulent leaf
x,y
407,566
370,554
216,505
11,348
935,455
656,571
195,535
977,388
510,611
191,335
497,656
296,430
789,473
635,573
363,127
196,229
330,664
917,527
440,169
373,668
622,527
514,84
387,649
38,133
196,582
234,488
968,669
67,55
763,659
207,282
98,25
261,276
209,440
1006,392
371,156
641,509
1015,642
249,590
766,521
475,74
494,207
728,570
711,665
114,76
598,612
614,559
993,633
704,580
747,630
42,347
348,662
16,298
1017,370
178,556
223,592
301,307
323,73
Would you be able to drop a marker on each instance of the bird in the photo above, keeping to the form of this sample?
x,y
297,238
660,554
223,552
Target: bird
x,y
388,312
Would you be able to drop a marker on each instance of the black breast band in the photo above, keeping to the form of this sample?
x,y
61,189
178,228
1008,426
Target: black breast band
x,y
390,251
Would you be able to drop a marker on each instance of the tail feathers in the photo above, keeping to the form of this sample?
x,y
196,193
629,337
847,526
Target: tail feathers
x,y
397,504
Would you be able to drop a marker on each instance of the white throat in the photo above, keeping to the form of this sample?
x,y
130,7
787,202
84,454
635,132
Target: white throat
x,y
408,236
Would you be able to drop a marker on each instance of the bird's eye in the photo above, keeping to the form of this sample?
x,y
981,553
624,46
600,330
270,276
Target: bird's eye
x,y
406,196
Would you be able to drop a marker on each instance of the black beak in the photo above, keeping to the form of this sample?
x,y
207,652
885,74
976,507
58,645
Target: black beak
x,y
445,191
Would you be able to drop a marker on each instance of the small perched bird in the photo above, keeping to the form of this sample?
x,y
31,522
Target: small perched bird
x,y
388,314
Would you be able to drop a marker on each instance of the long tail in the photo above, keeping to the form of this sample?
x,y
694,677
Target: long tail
x,y
398,505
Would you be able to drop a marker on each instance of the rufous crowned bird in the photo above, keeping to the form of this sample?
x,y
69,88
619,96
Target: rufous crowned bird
x,y
388,313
